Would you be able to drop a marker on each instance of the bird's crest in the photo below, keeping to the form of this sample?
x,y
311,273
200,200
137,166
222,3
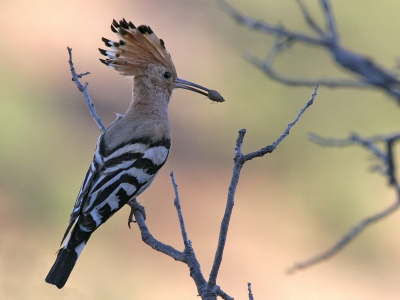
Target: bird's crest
x,y
138,47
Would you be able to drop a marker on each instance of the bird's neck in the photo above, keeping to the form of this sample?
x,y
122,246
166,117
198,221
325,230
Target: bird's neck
x,y
146,117
148,102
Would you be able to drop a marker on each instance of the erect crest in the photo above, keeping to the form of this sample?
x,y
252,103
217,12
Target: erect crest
x,y
136,50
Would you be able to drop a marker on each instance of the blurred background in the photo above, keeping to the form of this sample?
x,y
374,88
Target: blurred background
x,y
290,205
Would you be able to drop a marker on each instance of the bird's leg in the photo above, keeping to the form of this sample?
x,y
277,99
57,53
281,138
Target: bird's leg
x,y
135,206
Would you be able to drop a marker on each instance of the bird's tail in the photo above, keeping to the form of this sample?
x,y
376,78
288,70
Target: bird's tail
x,y
62,268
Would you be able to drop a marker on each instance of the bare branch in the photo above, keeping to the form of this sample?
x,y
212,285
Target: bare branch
x,y
177,204
149,239
365,72
239,160
84,90
331,142
82,74
387,160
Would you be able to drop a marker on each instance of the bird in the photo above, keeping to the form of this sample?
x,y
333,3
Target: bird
x,y
134,147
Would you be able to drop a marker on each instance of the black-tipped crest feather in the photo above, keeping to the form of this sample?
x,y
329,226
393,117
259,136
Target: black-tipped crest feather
x,y
131,25
102,51
138,47
115,23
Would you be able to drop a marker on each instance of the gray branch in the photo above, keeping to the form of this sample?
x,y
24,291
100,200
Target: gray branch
x,y
149,239
364,72
84,89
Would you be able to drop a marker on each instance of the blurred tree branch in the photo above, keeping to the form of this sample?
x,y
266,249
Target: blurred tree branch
x,y
208,290
364,73
387,168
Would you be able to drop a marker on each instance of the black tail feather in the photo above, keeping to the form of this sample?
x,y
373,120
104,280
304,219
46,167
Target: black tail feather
x,y
62,267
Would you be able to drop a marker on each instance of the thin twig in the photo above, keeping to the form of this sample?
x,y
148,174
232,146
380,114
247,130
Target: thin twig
x,y
82,74
178,210
337,142
84,90
270,148
250,292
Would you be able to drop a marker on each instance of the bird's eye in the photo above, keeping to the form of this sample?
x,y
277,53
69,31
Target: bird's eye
x,y
167,75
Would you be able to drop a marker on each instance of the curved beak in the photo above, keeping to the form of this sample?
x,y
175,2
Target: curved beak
x,y
187,85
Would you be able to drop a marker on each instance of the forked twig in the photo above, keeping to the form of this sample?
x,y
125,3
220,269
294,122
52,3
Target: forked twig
x,y
84,90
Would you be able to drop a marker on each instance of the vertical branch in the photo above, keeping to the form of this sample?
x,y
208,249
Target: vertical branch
x,y
250,292
229,206
391,166
178,210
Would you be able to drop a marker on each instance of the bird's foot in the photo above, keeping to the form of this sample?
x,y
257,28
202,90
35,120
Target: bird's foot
x,y
135,206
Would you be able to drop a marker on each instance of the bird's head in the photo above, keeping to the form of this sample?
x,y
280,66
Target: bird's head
x,y
140,53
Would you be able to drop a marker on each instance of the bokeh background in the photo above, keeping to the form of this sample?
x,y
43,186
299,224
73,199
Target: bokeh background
x,y
290,205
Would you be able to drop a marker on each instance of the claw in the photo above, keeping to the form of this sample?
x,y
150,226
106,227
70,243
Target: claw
x,y
130,219
135,206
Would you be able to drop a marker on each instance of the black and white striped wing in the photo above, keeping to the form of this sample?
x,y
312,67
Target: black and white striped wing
x,y
115,176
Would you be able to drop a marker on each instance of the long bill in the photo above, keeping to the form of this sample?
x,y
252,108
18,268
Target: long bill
x,y
210,94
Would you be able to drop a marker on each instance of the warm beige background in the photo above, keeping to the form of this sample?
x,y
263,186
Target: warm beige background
x,y
289,205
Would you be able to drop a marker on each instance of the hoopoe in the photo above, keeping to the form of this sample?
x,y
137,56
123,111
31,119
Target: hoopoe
x,y
134,147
